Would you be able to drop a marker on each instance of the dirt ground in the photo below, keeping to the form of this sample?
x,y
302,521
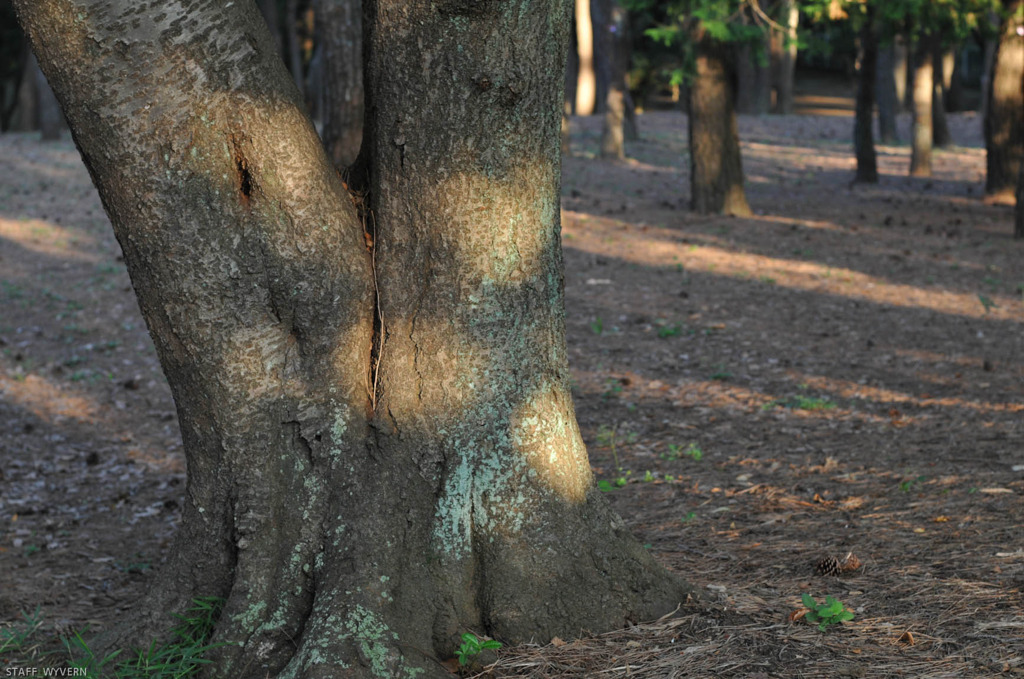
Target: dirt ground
x,y
841,373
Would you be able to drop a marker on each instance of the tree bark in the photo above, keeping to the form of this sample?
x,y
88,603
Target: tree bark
x,y
25,116
1018,211
339,29
863,138
952,65
50,119
921,131
716,167
1004,124
268,8
291,31
611,27
901,67
940,127
887,96
787,52
586,84
373,394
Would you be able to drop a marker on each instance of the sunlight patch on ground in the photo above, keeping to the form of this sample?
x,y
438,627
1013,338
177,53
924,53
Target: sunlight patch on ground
x,y
46,400
653,247
48,239
848,389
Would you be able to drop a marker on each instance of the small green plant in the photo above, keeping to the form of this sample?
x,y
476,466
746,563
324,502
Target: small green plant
x,y
800,402
648,476
14,638
987,302
832,612
666,331
907,486
675,451
689,516
605,486
182,657
721,373
472,646
597,326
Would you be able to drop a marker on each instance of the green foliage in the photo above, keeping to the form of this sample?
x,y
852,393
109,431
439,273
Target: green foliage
x,y
675,452
597,326
832,612
15,638
670,330
472,646
908,485
800,402
182,657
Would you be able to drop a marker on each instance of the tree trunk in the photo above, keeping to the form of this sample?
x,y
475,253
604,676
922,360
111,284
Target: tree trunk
x,y
611,27
25,117
901,68
988,63
753,79
921,131
50,119
786,52
291,29
375,407
888,100
339,28
586,84
940,127
1018,211
863,139
1004,124
952,65
268,8
716,167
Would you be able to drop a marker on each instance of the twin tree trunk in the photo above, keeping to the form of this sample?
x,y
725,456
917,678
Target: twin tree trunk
x,y
923,91
381,447
863,138
1004,122
716,166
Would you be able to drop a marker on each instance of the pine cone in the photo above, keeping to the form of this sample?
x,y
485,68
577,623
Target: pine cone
x,y
850,563
829,566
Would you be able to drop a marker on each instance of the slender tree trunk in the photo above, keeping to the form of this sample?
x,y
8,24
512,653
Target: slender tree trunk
x,y
339,29
952,65
1004,124
268,8
586,85
291,30
1018,212
375,406
12,89
612,30
716,167
901,68
631,127
921,132
25,117
888,101
988,65
863,138
940,127
50,119
753,79
787,49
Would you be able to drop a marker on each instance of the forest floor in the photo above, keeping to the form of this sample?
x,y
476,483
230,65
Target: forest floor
x,y
839,374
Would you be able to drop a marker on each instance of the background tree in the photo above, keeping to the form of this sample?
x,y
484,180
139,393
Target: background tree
x,y
586,78
863,138
613,41
373,396
1004,124
339,30
705,32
